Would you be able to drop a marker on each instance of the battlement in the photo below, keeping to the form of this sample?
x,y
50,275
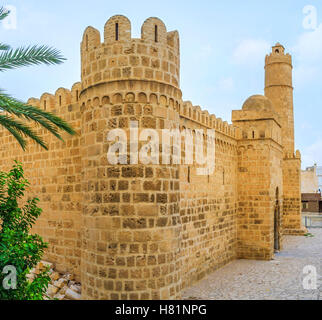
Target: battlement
x,y
146,230
154,57
278,70
295,155
278,55
61,99
203,118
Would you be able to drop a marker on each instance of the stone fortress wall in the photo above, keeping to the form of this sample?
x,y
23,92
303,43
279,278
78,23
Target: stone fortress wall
x,y
148,231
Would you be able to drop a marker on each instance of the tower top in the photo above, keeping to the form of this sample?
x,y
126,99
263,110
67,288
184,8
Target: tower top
x,y
155,56
278,49
278,55
279,89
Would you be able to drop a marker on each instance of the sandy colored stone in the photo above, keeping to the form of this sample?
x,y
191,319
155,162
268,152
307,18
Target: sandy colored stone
x,y
59,296
72,295
60,283
76,288
52,290
279,279
149,231
55,276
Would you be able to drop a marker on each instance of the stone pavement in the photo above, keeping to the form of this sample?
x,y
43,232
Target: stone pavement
x,y
279,279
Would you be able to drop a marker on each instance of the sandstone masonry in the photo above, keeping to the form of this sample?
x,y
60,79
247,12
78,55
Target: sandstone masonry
x,y
148,231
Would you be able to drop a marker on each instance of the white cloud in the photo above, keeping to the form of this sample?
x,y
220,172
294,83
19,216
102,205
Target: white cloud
x,y
312,154
308,48
303,74
251,52
307,54
226,84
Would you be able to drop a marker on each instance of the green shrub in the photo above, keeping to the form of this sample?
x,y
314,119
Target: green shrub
x,y
18,248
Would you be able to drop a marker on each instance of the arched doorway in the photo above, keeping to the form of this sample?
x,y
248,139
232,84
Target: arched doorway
x,y
277,222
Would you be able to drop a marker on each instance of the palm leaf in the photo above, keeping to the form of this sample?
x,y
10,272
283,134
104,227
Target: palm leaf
x,y
46,119
18,129
32,55
3,13
4,47
14,58
18,137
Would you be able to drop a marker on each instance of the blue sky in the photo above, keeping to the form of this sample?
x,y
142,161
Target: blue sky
x,y
223,47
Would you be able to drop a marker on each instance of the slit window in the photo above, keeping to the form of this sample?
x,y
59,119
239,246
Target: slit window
x,y
156,33
45,105
116,31
59,100
76,95
189,178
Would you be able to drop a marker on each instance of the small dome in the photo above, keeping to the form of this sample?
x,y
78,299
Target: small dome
x,y
258,103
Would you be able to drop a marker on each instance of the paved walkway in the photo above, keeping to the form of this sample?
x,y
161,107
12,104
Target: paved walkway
x,y
279,279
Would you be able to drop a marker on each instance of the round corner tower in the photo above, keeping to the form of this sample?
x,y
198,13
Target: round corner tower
x,y
279,89
131,229
153,57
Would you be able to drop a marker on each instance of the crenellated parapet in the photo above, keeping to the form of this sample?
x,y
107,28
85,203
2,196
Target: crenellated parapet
x,y
295,155
63,97
203,118
141,229
153,57
34,102
276,62
278,55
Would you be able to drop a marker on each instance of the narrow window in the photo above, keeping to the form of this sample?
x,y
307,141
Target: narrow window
x,y
45,105
76,95
189,180
59,100
116,31
87,42
156,33
253,134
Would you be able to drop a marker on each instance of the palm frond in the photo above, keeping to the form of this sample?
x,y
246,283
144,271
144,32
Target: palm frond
x,y
32,55
4,47
20,130
46,119
4,13
21,112
18,137
13,108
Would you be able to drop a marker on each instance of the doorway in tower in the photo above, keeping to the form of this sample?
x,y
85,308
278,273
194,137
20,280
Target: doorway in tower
x,y
277,222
